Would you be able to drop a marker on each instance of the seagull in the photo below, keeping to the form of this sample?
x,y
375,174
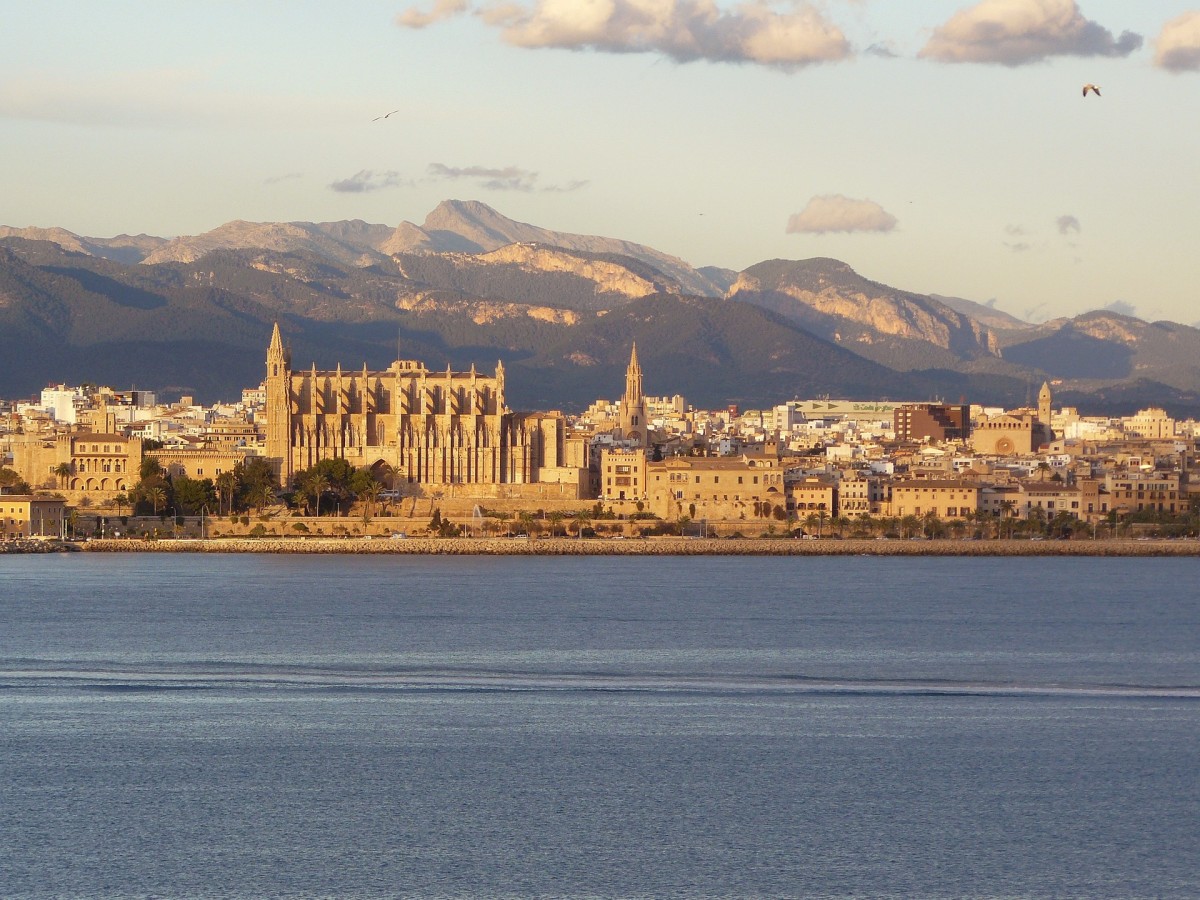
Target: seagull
x,y
1094,88
385,115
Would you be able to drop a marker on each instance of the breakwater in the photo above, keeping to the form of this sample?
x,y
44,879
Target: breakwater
x,y
37,545
653,547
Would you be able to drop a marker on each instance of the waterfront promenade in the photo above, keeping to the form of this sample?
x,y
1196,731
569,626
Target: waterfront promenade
x,y
651,547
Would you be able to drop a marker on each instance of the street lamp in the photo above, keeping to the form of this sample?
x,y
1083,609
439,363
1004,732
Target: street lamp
x,y
203,513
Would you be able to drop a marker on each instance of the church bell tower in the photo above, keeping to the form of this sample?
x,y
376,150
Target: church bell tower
x,y
633,404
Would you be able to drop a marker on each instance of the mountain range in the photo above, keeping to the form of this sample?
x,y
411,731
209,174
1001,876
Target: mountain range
x,y
193,315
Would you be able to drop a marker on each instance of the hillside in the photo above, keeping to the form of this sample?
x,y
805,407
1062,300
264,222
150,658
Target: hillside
x,y
896,328
470,285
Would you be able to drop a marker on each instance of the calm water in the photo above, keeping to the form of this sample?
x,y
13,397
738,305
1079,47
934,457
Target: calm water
x,y
254,726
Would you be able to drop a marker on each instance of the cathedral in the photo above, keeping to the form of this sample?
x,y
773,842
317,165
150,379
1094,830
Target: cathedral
x,y
446,430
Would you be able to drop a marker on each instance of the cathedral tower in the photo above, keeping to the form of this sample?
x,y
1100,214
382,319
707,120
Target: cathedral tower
x,y
1044,401
279,405
633,404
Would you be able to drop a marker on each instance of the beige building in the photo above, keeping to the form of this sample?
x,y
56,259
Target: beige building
x,y
1010,434
812,494
1153,424
450,431
946,499
623,474
860,495
1134,491
22,515
715,487
98,465
198,463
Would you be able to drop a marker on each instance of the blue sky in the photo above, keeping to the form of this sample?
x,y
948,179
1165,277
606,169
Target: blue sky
x,y
944,150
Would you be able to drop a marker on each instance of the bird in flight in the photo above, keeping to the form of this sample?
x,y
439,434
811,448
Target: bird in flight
x,y
385,115
1094,88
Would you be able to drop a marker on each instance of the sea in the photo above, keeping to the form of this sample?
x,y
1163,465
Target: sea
x,y
245,726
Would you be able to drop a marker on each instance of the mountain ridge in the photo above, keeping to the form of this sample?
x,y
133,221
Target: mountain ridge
x,y
497,287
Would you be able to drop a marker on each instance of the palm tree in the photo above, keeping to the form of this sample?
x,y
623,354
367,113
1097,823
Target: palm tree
x,y
157,497
579,522
226,485
316,484
122,500
264,495
1008,510
371,493
63,473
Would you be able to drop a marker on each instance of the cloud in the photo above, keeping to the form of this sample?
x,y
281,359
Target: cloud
x,y
442,9
1067,224
1122,308
1019,246
756,31
287,176
366,181
1015,32
509,178
1178,46
835,213
1015,230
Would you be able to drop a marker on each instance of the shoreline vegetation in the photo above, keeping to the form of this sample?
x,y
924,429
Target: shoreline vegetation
x,y
656,546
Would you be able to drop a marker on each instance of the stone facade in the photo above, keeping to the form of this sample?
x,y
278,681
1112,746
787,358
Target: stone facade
x,y
445,430
98,465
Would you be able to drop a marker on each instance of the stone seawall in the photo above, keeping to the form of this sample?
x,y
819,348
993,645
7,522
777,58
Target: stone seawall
x,y
653,547
37,545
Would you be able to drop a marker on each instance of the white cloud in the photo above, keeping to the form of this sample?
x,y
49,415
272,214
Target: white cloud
x,y
835,213
1015,32
785,36
442,9
365,181
1178,46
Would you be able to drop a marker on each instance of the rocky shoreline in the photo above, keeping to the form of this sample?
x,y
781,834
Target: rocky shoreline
x,y
652,547
38,545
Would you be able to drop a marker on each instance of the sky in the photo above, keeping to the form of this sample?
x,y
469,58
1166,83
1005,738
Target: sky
x,y
940,146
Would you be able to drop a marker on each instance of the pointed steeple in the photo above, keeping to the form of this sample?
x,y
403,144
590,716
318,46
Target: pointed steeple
x,y
633,380
278,358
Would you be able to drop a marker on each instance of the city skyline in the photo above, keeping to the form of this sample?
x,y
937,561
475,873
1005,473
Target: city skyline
x,y
898,141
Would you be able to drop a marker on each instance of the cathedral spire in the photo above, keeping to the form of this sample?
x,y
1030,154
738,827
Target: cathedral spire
x,y
278,358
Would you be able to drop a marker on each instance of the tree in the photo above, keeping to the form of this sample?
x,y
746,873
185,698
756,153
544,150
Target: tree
x,y
226,486
157,497
192,494
579,522
63,472
370,492
315,483
255,483
13,483
262,495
